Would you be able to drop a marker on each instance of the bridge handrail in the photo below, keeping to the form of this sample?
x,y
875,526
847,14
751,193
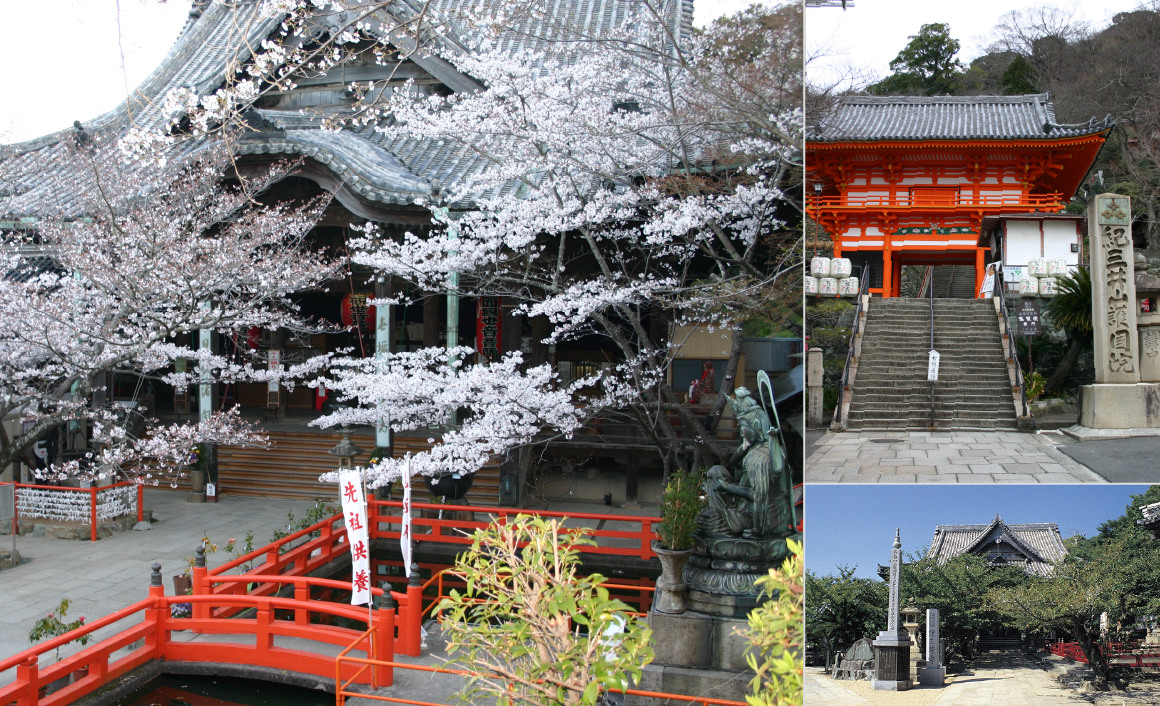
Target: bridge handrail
x,y
273,551
157,623
642,550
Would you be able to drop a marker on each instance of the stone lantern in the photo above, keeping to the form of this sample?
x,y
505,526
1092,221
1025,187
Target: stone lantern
x,y
910,623
345,451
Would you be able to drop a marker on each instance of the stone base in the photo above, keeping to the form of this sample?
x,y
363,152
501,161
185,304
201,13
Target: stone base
x,y
678,680
693,640
9,558
38,527
717,605
892,662
1108,406
932,676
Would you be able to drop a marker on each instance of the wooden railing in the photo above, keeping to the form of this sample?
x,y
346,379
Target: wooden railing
x,y
384,525
247,604
94,494
1044,202
1119,654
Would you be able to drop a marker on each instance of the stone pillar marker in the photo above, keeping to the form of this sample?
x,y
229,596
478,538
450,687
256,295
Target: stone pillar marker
x,y
1117,357
814,375
934,673
1118,399
892,647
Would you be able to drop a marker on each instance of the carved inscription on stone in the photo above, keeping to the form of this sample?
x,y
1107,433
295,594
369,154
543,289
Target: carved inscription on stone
x,y
933,658
1150,342
895,577
1116,242
1113,291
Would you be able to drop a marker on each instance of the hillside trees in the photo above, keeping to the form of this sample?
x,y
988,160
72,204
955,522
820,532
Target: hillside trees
x,y
124,262
925,66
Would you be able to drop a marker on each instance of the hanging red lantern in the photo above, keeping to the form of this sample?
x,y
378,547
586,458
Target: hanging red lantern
x,y
355,308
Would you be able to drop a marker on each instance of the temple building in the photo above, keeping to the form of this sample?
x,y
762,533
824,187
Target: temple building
x,y
900,181
1034,547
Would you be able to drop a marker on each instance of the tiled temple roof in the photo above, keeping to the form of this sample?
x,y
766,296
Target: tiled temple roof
x,y
1040,543
377,169
904,118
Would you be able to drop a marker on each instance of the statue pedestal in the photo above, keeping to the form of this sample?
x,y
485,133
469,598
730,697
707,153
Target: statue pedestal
x,y
722,570
892,661
695,653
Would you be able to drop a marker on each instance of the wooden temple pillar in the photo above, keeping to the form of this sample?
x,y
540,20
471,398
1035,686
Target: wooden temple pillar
x,y
980,270
887,273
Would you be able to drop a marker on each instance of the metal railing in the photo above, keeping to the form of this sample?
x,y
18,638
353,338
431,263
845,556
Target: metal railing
x,y
855,335
932,423
998,289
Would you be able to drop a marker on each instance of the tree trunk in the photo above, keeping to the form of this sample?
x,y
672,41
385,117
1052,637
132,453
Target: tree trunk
x,y
1091,649
1067,364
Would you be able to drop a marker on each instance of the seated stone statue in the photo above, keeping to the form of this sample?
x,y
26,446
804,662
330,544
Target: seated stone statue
x,y
746,502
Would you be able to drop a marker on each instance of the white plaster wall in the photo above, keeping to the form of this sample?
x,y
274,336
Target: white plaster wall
x,y
1058,237
1022,242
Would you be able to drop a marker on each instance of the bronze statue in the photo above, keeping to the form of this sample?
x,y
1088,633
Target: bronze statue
x,y
749,506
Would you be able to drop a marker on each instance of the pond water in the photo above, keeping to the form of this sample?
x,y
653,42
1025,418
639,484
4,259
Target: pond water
x,y
199,690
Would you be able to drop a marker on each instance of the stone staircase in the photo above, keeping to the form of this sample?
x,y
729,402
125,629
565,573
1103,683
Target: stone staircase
x,y
291,466
890,390
954,281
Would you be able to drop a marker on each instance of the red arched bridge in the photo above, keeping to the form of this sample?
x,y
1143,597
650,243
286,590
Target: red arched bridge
x,y
274,614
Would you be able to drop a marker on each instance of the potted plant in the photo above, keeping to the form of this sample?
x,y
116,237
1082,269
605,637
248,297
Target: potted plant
x,y
54,625
680,504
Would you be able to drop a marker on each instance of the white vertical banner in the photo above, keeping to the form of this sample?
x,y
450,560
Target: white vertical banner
x,y
405,533
354,513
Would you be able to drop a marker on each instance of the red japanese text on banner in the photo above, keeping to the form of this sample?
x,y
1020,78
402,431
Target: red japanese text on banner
x,y
354,513
405,534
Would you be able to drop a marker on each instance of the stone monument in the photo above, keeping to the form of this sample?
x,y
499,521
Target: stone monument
x,y
933,673
892,646
1118,399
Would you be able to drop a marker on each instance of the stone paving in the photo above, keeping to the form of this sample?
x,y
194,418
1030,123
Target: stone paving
x,y
943,457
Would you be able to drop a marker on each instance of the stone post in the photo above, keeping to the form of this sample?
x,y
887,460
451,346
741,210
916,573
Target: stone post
x,y
934,673
892,647
814,393
1113,290
1118,399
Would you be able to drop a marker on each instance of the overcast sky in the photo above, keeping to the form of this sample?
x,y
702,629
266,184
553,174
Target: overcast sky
x,y
69,60
872,32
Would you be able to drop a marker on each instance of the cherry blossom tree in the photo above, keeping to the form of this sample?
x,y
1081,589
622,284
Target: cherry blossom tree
x,y
628,185
629,182
125,259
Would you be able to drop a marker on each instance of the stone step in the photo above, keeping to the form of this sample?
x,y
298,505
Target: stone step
x,y
973,391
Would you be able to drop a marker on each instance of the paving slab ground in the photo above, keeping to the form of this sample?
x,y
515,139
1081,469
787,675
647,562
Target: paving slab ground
x,y
943,457
994,679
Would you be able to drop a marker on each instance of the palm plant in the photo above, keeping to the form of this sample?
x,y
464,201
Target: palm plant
x,y
1071,310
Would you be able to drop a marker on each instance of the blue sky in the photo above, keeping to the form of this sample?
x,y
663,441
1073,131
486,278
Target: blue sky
x,y
854,524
